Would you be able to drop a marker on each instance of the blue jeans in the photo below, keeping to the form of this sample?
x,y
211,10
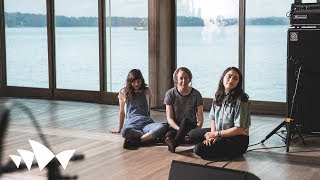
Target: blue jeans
x,y
157,130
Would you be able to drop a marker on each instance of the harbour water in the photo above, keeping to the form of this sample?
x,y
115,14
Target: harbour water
x,y
207,52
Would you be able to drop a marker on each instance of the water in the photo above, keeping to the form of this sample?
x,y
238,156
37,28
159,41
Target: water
x,y
207,52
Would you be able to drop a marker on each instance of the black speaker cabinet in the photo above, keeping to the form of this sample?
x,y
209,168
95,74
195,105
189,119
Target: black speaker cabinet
x,y
188,171
304,52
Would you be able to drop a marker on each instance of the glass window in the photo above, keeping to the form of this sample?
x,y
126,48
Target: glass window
x,y
266,49
127,40
207,40
26,43
77,44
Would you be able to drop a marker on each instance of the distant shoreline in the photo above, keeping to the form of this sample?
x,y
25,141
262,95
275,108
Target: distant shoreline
x,y
39,20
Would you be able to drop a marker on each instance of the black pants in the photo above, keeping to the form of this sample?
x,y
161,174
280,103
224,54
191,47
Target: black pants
x,y
223,146
178,136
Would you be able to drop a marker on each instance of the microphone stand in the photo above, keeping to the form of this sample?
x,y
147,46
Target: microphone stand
x,y
4,114
53,166
289,120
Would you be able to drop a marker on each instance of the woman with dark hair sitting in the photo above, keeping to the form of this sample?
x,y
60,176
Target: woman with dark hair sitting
x,y
229,132
134,101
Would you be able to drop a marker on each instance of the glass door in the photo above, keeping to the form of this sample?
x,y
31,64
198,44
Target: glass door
x,y
26,43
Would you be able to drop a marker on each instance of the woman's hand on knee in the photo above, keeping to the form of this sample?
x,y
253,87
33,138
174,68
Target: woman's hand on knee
x,y
209,135
209,142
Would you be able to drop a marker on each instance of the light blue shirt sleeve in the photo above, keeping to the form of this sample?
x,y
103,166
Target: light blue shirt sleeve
x,y
242,115
212,112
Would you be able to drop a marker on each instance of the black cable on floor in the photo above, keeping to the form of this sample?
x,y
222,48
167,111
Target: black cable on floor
x,y
226,164
229,161
206,164
255,144
265,148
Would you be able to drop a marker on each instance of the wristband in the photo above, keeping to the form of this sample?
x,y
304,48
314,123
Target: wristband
x,y
219,133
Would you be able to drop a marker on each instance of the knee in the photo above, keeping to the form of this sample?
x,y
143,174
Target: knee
x,y
164,126
162,129
196,135
198,150
124,132
158,130
192,134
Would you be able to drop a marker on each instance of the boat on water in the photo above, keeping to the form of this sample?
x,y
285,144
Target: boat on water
x,y
142,26
221,21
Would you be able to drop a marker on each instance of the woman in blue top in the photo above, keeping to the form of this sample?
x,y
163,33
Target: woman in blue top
x,y
229,132
134,109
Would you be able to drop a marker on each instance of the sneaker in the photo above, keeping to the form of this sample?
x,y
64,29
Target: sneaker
x,y
171,145
129,144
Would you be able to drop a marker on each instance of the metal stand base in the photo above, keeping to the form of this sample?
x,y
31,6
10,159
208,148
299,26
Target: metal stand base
x,y
291,128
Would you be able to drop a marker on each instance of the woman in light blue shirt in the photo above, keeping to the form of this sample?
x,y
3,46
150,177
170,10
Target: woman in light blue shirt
x,y
229,132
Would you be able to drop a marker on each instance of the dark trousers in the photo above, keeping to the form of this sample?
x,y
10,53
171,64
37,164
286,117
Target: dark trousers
x,y
178,136
223,146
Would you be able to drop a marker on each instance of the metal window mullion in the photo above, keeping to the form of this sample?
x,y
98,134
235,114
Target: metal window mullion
x,y
110,62
102,44
242,17
51,45
3,69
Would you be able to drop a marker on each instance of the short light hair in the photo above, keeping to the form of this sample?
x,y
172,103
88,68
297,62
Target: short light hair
x,y
175,74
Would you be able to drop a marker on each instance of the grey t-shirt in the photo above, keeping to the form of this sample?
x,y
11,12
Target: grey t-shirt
x,y
183,106
227,116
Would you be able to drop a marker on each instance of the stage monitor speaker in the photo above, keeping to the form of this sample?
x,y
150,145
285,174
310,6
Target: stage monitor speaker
x,y
304,51
188,171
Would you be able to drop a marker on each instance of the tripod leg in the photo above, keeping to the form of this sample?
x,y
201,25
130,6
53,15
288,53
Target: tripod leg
x,y
288,137
300,135
273,131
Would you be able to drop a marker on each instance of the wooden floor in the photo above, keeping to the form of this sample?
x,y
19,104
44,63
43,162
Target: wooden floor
x,y
84,127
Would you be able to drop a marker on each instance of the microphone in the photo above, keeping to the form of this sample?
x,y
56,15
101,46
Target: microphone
x,y
11,167
4,119
77,157
53,170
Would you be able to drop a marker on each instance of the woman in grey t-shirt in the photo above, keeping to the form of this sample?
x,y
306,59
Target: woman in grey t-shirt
x,y
229,132
184,109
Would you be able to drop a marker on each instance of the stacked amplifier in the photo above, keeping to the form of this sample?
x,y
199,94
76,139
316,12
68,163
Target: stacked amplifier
x,y
305,14
303,65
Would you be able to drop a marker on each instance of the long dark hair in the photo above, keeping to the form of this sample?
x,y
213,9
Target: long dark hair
x,y
232,94
134,74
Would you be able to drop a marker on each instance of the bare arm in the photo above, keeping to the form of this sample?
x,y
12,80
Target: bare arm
x,y
200,116
210,137
121,116
234,131
169,113
211,134
213,126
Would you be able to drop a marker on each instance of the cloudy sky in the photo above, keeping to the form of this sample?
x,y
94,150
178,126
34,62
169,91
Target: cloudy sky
x,y
138,8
